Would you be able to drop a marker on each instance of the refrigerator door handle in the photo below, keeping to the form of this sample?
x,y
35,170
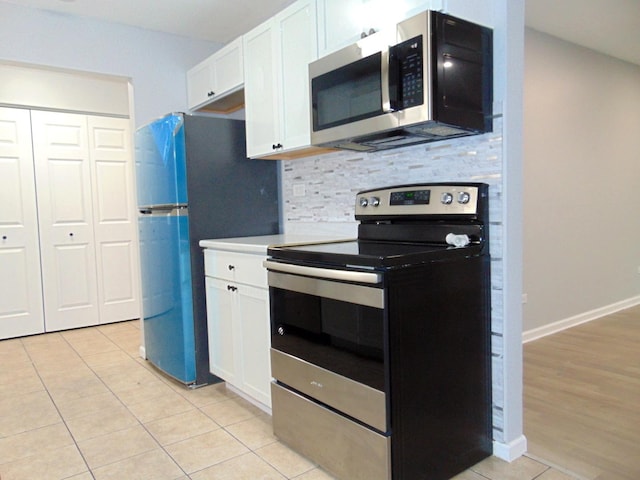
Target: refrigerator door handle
x,y
173,211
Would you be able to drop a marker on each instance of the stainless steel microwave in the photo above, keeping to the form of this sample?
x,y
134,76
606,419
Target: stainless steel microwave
x,y
432,80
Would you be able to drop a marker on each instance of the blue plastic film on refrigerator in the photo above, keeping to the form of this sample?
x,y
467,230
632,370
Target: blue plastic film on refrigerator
x,y
167,297
161,162
162,132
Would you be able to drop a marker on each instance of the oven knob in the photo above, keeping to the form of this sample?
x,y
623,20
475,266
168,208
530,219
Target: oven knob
x,y
374,201
364,202
280,330
464,197
446,198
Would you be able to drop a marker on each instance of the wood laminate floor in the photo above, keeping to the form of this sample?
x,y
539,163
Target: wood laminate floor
x,y
582,398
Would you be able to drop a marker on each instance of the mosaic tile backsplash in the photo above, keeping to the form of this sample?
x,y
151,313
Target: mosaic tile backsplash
x,y
319,197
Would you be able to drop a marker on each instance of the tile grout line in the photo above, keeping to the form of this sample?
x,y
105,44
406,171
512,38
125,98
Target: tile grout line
x,y
140,423
55,405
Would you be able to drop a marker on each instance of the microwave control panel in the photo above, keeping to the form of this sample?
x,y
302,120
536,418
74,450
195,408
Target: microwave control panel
x,y
407,61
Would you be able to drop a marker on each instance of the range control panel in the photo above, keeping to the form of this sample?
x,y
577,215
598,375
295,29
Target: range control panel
x,y
423,199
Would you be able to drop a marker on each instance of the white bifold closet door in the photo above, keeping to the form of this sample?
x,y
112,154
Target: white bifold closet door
x,y
63,179
21,311
114,217
83,168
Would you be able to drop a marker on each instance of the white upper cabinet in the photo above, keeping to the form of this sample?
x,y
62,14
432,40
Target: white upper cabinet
x,y
343,22
215,84
261,96
277,54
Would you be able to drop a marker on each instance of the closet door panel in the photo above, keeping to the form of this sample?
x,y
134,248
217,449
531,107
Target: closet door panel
x,y
63,180
20,289
115,223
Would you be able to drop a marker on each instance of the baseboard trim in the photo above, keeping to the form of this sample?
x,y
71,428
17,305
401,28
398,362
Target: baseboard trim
x,y
512,450
585,317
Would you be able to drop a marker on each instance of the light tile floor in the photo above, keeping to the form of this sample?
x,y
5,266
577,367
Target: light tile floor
x,y
83,405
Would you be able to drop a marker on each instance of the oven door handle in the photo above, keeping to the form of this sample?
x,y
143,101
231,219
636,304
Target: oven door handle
x,y
345,275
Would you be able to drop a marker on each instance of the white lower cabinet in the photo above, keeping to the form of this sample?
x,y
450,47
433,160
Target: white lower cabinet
x,y
76,261
238,321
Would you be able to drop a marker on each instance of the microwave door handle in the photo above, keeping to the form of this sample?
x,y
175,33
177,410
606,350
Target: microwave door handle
x,y
393,80
385,69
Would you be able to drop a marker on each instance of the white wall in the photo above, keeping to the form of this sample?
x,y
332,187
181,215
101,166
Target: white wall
x,y
582,183
156,63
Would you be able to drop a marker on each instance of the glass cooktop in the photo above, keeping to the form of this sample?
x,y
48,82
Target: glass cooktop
x,y
366,253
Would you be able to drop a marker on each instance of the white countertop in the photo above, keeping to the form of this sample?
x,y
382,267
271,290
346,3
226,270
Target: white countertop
x,y
260,243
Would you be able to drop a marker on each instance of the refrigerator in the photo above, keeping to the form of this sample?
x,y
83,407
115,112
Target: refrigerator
x,y
193,182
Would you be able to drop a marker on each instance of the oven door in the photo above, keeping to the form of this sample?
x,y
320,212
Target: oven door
x,y
328,336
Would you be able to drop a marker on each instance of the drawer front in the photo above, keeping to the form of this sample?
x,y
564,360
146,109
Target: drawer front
x,y
356,399
236,267
343,447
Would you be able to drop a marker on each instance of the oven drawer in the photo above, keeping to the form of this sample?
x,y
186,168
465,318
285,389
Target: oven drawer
x,y
342,446
353,398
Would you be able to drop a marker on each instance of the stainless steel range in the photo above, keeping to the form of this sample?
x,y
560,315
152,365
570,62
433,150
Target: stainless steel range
x,y
380,346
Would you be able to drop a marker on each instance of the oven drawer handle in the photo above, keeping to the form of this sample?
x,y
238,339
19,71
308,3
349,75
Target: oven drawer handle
x,y
349,276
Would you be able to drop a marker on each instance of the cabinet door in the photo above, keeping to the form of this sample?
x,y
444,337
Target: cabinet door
x,y
20,289
343,22
261,101
200,84
340,23
217,76
63,180
253,315
297,47
223,340
227,67
115,225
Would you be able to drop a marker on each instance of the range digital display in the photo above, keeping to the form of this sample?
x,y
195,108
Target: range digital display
x,y
410,197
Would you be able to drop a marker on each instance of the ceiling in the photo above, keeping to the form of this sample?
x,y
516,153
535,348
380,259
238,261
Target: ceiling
x,y
611,27
217,21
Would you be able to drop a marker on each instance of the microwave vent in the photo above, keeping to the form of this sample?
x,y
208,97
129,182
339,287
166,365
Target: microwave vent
x,y
358,147
437,130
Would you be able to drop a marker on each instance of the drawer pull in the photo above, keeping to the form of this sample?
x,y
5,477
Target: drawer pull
x,y
231,267
231,288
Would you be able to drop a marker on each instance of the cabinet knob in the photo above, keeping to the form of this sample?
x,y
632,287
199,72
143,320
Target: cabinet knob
x,y
211,93
231,288
4,237
276,146
366,34
231,267
71,234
